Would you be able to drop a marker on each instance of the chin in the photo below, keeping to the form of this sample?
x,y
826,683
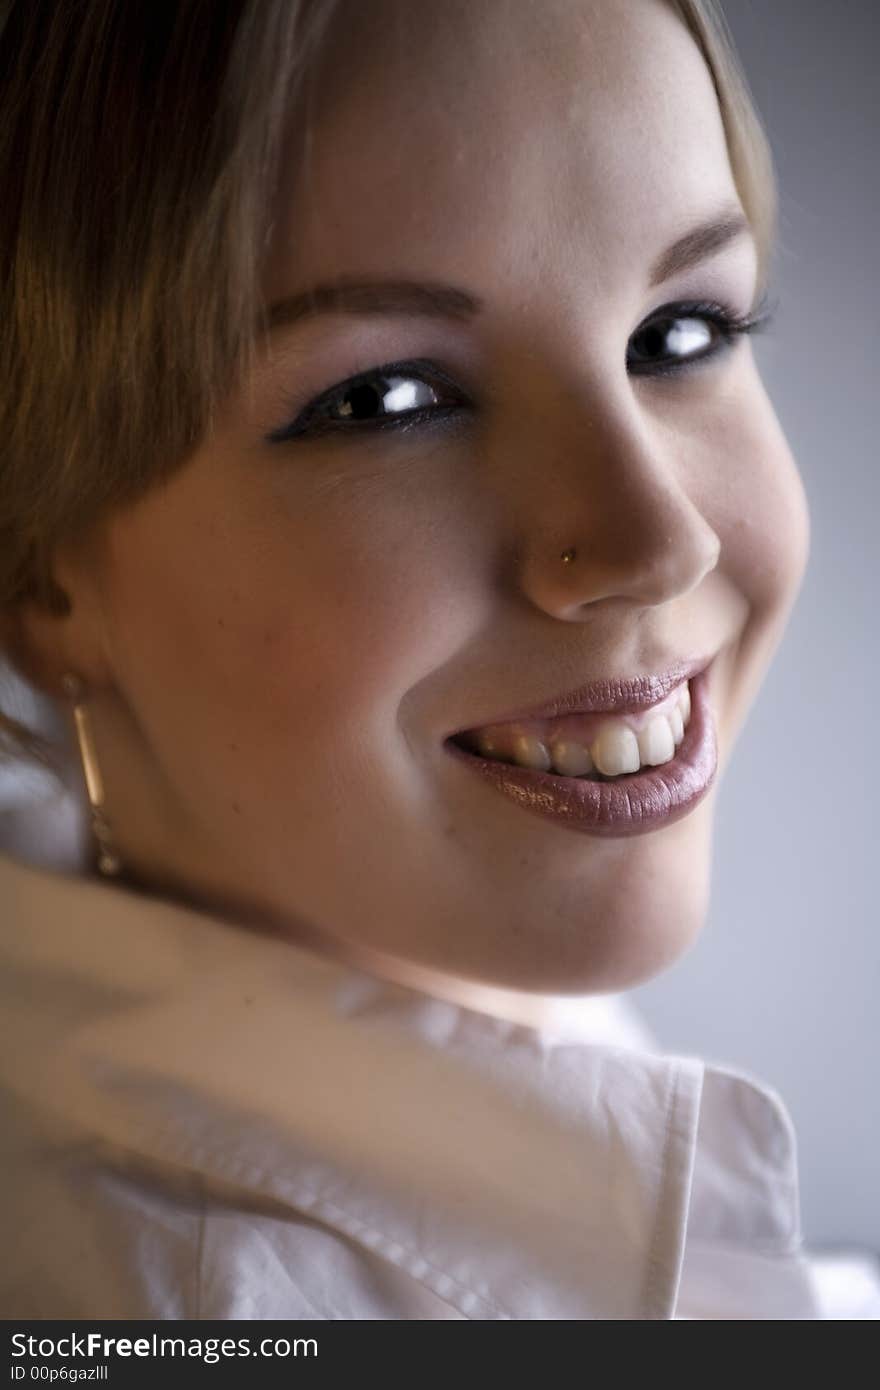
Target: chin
x,y
608,966
614,938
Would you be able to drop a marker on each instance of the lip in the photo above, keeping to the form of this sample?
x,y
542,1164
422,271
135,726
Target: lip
x,y
632,805
619,695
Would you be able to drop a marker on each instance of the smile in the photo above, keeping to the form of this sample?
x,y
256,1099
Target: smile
x,y
601,774
589,745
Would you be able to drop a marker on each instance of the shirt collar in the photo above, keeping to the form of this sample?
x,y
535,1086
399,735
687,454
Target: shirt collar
x,y
514,1174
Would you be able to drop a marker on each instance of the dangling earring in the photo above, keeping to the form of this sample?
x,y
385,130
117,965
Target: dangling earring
x,y
109,862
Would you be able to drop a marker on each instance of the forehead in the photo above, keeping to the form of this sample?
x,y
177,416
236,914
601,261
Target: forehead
x,y
477,140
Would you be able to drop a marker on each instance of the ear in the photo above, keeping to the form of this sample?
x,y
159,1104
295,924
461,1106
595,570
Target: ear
x,y
47,637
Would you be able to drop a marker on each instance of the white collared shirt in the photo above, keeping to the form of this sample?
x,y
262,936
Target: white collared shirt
x,y
202,1121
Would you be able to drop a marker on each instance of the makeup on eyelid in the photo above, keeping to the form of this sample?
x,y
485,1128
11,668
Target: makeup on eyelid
x,y
666,322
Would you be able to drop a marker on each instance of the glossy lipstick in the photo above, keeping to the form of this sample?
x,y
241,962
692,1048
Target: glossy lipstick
x,y
633,804
624,696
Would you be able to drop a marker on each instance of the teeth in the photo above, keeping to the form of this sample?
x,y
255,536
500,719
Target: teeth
x,y
571,759
676,723
490,747
531,752
657,742
616,749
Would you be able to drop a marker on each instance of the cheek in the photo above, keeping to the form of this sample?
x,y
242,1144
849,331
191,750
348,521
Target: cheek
x,y
758,504
382,594
283,620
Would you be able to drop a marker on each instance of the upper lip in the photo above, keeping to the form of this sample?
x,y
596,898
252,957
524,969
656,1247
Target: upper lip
x,y
613,695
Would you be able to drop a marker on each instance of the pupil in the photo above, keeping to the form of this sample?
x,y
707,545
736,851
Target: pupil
x,y
654,338
363,400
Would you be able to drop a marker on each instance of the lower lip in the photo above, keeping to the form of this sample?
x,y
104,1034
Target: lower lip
x,y
634,804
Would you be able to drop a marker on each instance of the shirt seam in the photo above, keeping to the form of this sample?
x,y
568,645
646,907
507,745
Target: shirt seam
x,y
307,1201
654,1263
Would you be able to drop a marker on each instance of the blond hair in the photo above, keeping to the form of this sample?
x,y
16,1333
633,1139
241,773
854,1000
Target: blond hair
x,y
139,156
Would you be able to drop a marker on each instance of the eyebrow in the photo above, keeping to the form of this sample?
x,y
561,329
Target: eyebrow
x,y
379,296
700,243
346,295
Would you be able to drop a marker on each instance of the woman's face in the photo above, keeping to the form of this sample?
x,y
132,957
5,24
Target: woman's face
x,y
284,636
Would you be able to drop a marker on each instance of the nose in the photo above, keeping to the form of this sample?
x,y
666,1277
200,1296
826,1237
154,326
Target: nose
x,y
613,485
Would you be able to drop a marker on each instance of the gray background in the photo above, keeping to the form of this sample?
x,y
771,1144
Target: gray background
x,y
785,979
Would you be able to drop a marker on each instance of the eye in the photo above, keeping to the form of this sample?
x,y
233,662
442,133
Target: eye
x,y
395,396
678,335
417,394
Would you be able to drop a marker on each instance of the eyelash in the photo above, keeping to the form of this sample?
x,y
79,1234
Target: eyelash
x,y
311,423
